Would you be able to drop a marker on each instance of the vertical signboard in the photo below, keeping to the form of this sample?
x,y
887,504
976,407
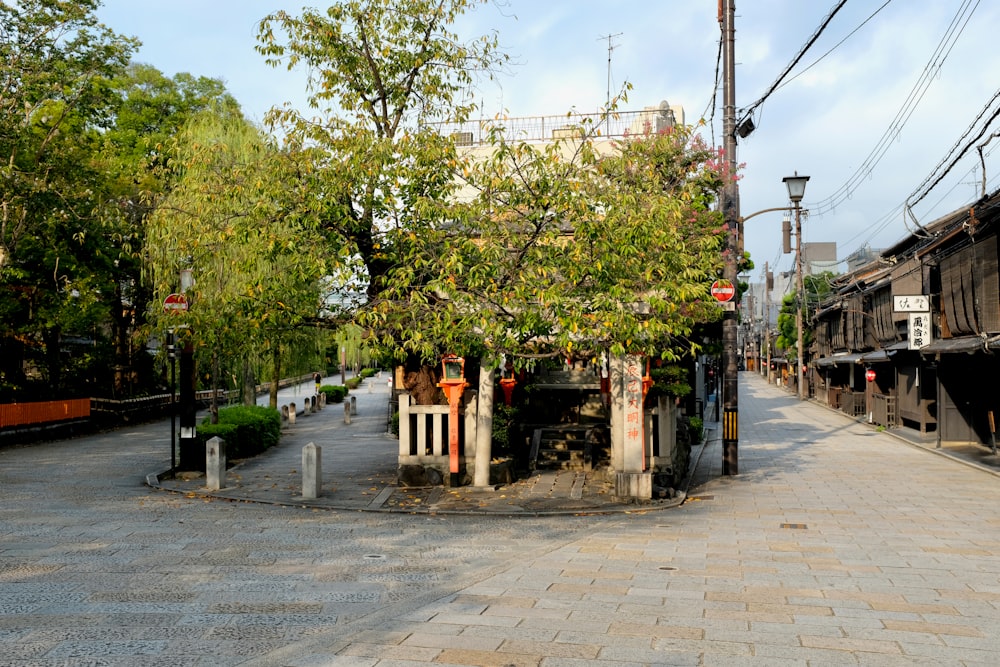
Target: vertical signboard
x,y
632,384
920,334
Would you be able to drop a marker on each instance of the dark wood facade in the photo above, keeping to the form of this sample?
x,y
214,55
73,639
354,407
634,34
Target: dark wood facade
x,y
949,384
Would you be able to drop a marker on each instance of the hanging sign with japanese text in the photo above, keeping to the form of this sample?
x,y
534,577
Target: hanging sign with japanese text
x,y
920,333
914,303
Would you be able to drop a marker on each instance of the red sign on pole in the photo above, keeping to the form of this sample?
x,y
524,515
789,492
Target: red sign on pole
x,y
175,303
723,290
870,375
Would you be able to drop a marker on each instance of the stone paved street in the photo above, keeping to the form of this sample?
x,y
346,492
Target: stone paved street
x,y
836,545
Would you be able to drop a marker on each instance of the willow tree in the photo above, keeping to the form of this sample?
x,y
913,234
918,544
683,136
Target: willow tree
x,y
242,217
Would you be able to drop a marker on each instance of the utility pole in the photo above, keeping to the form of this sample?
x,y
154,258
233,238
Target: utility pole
x,y
731,212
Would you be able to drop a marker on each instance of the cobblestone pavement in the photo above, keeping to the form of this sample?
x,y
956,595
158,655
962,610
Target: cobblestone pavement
x,y
835,545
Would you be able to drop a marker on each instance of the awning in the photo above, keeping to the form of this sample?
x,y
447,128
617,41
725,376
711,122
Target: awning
x,y
836,359
967,344
876,356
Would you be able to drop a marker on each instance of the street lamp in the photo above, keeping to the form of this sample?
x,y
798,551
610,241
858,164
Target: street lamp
x,y
796,190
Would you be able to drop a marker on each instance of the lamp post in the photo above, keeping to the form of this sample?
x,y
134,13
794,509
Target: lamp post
x,y
796,190
453,382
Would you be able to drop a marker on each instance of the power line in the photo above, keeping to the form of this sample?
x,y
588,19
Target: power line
x,y
937,59
774,86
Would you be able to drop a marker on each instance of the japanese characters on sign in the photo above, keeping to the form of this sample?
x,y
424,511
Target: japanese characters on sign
x,y
632,378
914,303
920,334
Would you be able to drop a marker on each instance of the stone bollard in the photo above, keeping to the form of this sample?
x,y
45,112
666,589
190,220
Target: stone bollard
x,y
322,400
347,412
291,414
354,405
284,413
305,405
369,385
215,463
313,406
312,470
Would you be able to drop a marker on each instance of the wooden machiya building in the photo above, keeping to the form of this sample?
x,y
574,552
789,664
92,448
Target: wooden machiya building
x,y
912,339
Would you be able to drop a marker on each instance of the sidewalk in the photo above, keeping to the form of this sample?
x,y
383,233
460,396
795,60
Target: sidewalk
x,y
359,462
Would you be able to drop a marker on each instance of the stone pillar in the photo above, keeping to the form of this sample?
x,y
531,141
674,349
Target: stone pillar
x,y
627,426
617,420
215,464
312,471
666,428
354,405
347,412
291,414
284,413
484,426
404,424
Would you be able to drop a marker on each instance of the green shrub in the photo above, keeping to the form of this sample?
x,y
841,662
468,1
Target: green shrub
x,y
697,426
504,422
353,383
335,393
368,372
250,429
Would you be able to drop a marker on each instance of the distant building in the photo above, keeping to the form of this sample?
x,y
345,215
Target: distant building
x,y
819,257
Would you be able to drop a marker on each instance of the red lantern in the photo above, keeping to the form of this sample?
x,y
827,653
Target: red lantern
x,y
870,375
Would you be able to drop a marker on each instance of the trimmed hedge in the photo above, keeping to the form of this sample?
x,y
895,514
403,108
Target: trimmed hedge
x,y
335,393
353,383
247,429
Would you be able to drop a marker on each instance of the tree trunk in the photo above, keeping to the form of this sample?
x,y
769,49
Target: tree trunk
x,y
273,394
214,405
249,384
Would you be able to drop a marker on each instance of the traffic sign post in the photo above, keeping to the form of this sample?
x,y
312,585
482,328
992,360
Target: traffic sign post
x,y
723,290
175,303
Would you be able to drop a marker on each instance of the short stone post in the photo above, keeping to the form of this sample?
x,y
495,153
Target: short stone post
x,y
284,413
354,405
347,412
215,463
322,400
305,405
291,414
312,470
313,407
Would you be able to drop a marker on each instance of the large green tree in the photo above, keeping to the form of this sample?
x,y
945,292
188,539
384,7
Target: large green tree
x,y
572,247
151,110
525,249
379,70
56,62
242,217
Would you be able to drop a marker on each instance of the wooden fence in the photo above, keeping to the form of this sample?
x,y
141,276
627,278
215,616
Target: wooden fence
x,y
42,412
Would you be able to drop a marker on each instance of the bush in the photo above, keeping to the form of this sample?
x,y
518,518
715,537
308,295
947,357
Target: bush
x,y
335,393
247,429
504,423
697,429
353,383
368,372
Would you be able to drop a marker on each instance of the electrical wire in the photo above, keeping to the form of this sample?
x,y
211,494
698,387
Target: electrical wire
x,y
928,184
837,45
937,59
788,68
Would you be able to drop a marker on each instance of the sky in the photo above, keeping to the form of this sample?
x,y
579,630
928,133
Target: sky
x,y
878,104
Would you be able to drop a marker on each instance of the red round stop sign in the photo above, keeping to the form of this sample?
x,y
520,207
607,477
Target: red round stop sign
x,y
723,290
870,375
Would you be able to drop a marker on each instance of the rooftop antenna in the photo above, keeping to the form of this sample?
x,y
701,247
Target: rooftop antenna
x,y
611,47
